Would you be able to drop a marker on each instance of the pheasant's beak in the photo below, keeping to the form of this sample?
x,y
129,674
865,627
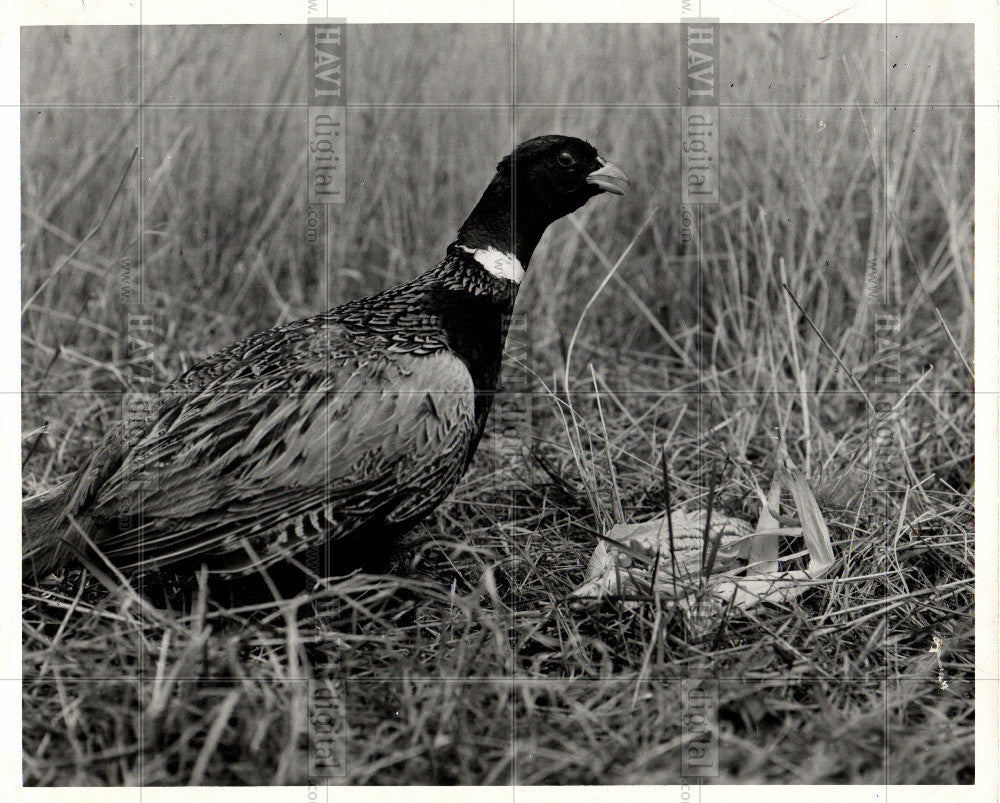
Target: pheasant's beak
x,y
609,178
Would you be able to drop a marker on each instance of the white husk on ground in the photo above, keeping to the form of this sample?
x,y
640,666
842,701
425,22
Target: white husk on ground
x,y
737,563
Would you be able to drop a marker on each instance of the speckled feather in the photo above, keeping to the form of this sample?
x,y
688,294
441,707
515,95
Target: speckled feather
x,y
302,433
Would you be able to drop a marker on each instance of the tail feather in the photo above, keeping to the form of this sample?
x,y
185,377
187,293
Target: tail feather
x,y
47,537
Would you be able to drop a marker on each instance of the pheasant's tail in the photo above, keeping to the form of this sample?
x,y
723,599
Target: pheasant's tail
x,y
48,539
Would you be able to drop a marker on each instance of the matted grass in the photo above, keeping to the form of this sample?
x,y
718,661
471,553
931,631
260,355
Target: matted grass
x,y
472,665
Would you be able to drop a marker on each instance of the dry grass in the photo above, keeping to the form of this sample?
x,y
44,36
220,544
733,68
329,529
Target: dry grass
x,y
704,365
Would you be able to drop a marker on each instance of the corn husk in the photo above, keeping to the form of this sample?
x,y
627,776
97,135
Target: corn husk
x,y
703,571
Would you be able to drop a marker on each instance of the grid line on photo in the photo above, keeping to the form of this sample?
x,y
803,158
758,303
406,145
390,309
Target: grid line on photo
x,y
498,105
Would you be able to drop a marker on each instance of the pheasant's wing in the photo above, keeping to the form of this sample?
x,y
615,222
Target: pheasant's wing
x,y
289,455
276,358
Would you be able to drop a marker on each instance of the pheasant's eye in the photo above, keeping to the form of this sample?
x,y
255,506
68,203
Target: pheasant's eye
x,y
565,158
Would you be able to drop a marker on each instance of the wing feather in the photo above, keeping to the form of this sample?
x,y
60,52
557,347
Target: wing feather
x,y
239,458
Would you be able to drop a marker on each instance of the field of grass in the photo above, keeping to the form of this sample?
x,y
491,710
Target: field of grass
x,y
843,173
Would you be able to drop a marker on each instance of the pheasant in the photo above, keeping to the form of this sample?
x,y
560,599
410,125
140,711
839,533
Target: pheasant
x,y
335,433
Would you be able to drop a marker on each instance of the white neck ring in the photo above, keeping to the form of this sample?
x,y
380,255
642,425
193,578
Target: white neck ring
x,y
497,263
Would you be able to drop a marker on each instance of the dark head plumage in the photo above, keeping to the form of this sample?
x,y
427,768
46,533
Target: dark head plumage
x,y
542,180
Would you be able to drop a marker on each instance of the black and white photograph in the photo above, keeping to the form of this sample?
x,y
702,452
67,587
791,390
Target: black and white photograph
x,y
486,398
